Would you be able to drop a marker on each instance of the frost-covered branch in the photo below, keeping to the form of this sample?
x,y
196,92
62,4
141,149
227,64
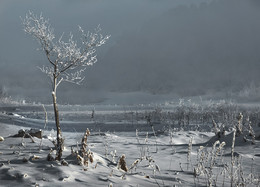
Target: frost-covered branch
x,y
47,70
41,30
63,55
75,77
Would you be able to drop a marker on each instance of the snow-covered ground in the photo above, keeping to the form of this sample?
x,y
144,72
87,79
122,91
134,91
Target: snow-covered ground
x,y
164,145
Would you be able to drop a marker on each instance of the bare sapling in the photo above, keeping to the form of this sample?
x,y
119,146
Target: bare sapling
x,y
45,124
233,157
156,147
149,122
67,61
189,153
144,148
251,131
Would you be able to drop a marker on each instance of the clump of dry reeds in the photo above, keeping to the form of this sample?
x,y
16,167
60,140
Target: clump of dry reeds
x,y
122,163
50,156
206,161
134,164
211,165
239,125
113,155
84,156
219,132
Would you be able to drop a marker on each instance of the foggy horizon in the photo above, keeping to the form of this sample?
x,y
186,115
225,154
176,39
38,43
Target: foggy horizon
x,y
172,47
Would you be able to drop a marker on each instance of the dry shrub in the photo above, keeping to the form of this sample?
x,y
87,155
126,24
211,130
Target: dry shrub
x,y
122,163
85,156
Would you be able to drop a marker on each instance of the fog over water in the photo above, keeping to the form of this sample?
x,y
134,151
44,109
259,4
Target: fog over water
x,y
178,47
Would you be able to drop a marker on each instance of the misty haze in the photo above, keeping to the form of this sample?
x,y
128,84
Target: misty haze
x,y
171,98
179,48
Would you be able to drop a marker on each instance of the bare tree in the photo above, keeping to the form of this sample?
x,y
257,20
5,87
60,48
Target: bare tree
x,y
66,60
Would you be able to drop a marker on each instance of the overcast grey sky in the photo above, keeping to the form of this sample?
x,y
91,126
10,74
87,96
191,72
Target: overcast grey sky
x,y
185,47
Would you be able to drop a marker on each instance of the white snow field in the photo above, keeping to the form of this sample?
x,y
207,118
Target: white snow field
x,y
164,145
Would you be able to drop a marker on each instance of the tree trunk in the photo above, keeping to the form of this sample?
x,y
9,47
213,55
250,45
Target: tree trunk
x,y
57,121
